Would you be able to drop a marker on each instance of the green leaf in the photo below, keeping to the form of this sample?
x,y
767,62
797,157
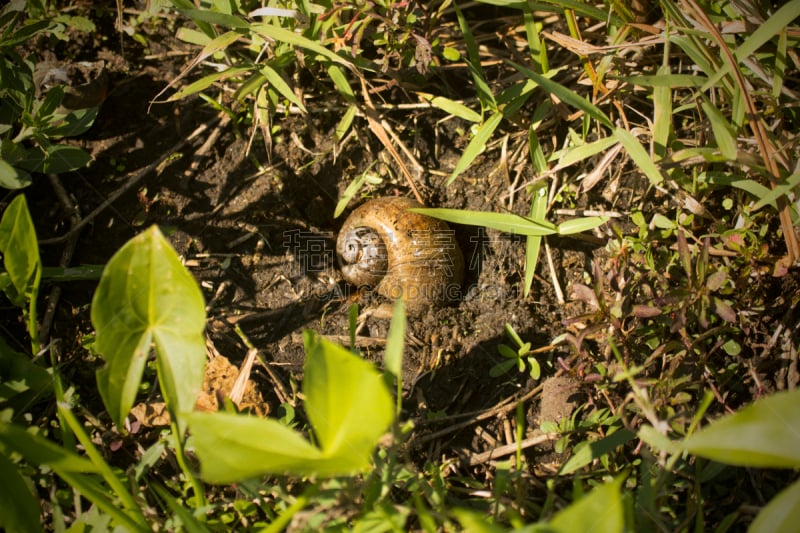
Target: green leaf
x,y
476,145
781,189
586,452
146,297
534,242
50,103
20,251
12,177
600,510
452,107
348,406
62,158
280,85
657,440
666,80
286,36
41,451
393,358
347,403
215,17
341,130
473,60
662,115
207,81
723,131
507,222
476,522
19,374
507,352
502,367
536,369
763,434
233,447
19,509
575,154
639,155
579,225
72,124
780,514
450,53
339,79
566,95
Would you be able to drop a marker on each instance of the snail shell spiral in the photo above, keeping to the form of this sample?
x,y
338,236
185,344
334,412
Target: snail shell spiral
x,y
385,246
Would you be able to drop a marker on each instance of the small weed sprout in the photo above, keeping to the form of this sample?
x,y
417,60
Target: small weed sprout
x,y
520,356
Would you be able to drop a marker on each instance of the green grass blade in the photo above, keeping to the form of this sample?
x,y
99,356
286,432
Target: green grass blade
x,y
536,44
639,155
451,107
507,222
206,81
393,358
513,98
188,522
286,36
779,72
215,17
538,158
662,115
280,85
663,79
342,127
572,155
476,145
534,242
339,79
784,188
566,95
103,468
579,225
697,53
723,131
485,94
753,187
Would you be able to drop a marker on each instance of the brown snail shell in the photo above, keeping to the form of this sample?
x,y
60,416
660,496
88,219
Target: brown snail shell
x,y
385,246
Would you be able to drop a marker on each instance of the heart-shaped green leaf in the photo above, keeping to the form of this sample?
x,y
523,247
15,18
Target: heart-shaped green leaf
x,y
147,298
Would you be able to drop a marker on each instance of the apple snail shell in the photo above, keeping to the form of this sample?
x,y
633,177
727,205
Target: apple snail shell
x,y
385,246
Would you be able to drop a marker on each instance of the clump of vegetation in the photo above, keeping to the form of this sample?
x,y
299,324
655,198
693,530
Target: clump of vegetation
x,y
687,120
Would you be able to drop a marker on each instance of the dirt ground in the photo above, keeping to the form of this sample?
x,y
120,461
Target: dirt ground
x,y
246,221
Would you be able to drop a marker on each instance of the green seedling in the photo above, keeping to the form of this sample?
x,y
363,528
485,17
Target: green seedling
x,y
520,356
